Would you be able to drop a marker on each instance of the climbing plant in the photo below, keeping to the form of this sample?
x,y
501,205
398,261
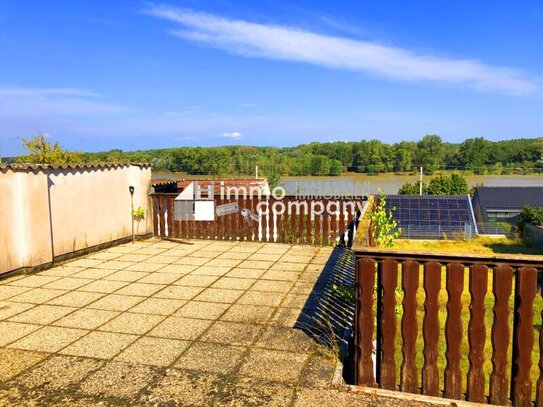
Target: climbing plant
x,y
385,227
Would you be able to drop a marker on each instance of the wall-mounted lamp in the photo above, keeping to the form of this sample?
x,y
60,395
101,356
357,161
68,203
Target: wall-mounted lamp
x,y
131,190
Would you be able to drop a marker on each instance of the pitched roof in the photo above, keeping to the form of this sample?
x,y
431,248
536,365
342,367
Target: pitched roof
x,y
29,167
509,197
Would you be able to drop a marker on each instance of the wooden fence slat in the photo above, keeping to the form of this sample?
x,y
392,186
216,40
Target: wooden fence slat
x,y
325,224
309,221
386,327
430,328
240,227
364,322
523,339
293,218
301,224
539,388
333,223
453,331
318,230
478,286
162,211
502,288
156,214
410,285
169,210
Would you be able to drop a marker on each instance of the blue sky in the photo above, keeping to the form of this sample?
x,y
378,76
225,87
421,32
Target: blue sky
x,y
132,75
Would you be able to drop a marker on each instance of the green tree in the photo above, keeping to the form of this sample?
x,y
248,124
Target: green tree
x,y
320,165
40,151
530,215
453,184
430,152
385,227
413,189
336,167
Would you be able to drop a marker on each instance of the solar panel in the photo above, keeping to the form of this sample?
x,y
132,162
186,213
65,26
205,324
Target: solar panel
x,y
430,216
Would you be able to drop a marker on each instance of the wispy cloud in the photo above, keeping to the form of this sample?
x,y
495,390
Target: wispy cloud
x,y
39,102
232,134
287,43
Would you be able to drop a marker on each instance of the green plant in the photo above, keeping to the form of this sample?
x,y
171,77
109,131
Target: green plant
x,y
530,215
138,215
385,227
40,151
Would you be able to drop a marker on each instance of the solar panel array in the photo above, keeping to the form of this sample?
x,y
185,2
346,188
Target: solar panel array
x,y
430,215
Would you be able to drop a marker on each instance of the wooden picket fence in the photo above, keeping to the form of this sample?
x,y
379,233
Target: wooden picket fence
x,y
296,227
514,288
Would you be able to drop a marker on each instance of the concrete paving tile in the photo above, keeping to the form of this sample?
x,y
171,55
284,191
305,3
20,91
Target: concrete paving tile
x,y
232,333
255,264
253,314
7,291
37,295
281,275
179,292
289,339
151,250
265,257
176,254
113,265
262,298
245,273
341,398
42,314
233,255
192,261
84,263
320,261
208,270
100,345
205,253
126,275
123,249
133,258
93,274
153,351
219,295
180,328
86,318
115,302
302,287
102,286
14,361
9,309
211,357
202,310
193,388
58,372
274,248
162,259
196,281
119,379
318,371
49,339
61,271
291,267
248,391
140,289
158,306
286,317
67,283
11,331
295,301
314,268
177,269
160,278
273,286
234,283
104,255
146,267
222,262
131,323
287,258
32,281
75,299
309,277
274,365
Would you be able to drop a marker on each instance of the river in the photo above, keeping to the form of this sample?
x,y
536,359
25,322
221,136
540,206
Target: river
x,y
363,184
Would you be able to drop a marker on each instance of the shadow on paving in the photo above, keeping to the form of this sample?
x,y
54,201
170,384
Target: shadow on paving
x,y
327,315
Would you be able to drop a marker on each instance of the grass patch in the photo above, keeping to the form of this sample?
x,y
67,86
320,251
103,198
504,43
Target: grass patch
x,y
479,245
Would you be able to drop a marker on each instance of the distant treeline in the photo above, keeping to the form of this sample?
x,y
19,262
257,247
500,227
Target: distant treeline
x,y
476,155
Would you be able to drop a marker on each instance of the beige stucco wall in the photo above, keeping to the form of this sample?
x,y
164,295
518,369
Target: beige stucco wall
x,y
82,208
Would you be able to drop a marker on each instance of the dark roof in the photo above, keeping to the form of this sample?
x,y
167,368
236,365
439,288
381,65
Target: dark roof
x,y
28,167
168,185
509,197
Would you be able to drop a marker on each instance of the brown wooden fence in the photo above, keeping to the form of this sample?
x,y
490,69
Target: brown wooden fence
x,y
296,226
489,352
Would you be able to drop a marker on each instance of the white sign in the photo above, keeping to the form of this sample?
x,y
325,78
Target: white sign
x,y
227,209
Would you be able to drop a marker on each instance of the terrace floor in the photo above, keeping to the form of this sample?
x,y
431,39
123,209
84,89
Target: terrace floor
x,y
162,323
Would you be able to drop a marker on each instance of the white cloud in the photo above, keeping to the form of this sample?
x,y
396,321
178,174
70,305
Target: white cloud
x,y
287,43
232,134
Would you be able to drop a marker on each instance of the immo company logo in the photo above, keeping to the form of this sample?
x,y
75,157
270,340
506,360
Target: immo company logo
x,y
197,203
